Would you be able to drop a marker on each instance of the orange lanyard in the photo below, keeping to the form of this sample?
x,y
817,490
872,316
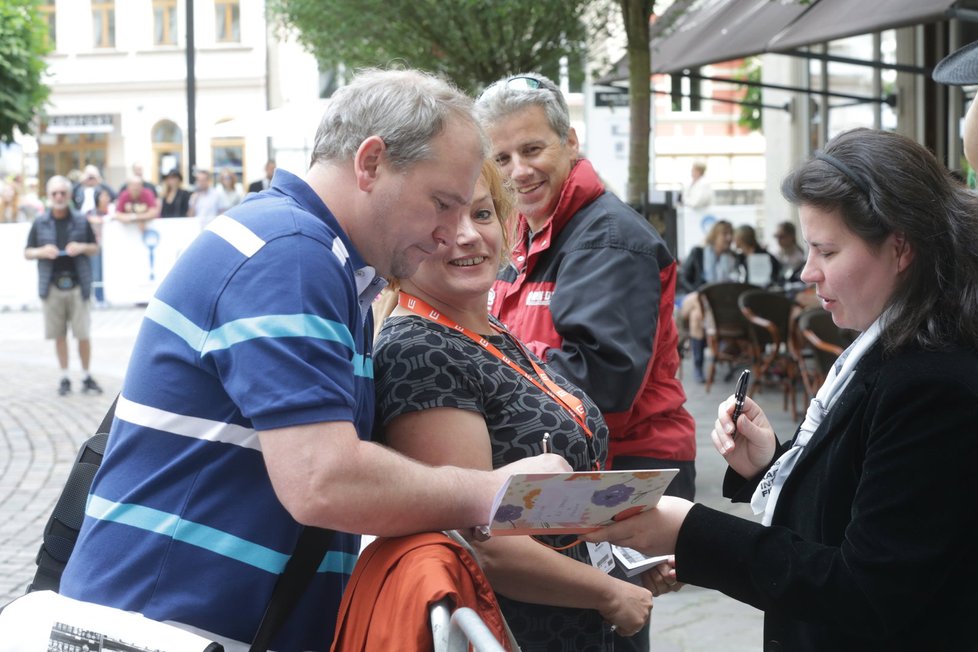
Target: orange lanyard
x,y
570,402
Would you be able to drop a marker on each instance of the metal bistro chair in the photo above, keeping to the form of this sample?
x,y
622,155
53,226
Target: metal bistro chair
x,y
824,341
770,316
727,330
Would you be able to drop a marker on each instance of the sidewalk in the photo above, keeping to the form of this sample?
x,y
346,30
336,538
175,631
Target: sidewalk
x,y
40,433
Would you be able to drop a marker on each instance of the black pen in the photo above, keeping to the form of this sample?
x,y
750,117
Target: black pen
x,y
739,395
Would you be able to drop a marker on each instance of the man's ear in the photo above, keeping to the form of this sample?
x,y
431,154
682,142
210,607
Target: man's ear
x,y
574,143
368,160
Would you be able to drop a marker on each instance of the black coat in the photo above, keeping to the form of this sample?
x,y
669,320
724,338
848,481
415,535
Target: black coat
x,y
872,544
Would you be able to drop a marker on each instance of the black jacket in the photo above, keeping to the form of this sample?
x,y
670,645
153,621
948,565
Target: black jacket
x,y
872,545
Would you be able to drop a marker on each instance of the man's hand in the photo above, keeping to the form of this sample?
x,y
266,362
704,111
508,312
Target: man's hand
x,y
48,251
74,249
545,463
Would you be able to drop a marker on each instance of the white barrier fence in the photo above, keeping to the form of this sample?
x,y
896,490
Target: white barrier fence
x,y
134,262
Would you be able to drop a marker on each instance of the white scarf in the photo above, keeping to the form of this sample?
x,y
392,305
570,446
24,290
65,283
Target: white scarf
x,y
766,495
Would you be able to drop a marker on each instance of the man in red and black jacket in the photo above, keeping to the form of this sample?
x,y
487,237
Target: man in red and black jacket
x,y
591,287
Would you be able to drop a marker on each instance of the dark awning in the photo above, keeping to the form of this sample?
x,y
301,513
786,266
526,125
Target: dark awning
x,y
832,19
694,33
697,32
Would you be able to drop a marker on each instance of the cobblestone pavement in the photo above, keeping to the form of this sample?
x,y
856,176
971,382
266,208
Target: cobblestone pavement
x,y
40,433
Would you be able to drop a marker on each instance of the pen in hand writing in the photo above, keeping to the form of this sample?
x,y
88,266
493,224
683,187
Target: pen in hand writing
x,y
739,395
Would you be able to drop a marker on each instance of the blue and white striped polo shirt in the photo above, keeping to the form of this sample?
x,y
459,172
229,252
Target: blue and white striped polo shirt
x,y
263,323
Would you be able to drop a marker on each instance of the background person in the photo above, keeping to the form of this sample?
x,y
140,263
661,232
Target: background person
x,y
789,253
868,513
137,171
697,199
136,204
745,240
205,199
228,193
11,209
698,193
265,181
85,192
249,399
103,212
174,199
62,242
472,409
713,262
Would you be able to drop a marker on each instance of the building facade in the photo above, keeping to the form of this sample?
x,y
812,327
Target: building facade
x,y
118,74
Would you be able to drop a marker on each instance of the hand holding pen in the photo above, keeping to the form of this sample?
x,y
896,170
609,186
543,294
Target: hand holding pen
x,y
739,396
750,446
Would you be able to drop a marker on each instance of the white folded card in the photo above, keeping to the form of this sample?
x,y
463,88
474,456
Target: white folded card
x,y
44,620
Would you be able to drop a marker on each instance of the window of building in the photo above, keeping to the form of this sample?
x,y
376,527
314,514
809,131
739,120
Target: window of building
x,y
62,153
676,92
103,23
687,92
167,149
227,20
165,22
47,11
228,153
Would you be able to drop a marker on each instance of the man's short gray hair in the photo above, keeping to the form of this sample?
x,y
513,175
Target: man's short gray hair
x,y
406,108
514,93
57,180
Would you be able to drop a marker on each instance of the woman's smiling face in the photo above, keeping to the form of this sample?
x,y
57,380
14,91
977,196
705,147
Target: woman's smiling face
x,y
466,268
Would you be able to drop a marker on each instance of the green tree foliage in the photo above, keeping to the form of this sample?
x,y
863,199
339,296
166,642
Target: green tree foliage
x,y
472,42
750,111
23,44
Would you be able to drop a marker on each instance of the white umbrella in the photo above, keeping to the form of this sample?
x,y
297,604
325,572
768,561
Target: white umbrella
x,y
292,120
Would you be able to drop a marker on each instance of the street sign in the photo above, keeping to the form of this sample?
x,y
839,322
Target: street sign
x,y
611,97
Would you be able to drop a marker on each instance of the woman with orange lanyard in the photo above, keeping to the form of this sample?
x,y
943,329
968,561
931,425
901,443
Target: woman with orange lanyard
x,y
453,387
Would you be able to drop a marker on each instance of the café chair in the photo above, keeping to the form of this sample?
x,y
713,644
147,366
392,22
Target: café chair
x,y
727,330
769,314
821,342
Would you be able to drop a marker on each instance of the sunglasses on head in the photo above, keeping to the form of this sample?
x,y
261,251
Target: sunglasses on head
x,y
523,83
519,82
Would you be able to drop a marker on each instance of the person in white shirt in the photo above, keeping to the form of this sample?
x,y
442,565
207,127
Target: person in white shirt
x,y
205,201
697,199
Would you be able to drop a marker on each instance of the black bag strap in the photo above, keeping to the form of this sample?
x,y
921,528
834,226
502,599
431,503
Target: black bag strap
x,y
106,424
309,551
299,571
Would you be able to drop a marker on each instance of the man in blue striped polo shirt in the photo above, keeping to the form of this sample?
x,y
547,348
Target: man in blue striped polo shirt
x,y
249,401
